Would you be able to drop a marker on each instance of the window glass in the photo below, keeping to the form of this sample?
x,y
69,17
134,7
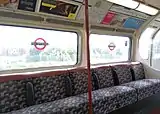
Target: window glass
x,y
145,42
22,48
156,52
105,48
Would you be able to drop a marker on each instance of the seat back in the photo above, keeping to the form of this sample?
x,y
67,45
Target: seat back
x,y
138,71
79,81
104,76
123,73
12,95
18,93
50,88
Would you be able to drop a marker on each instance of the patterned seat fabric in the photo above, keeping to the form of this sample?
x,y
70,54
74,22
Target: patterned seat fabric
x,y
138,71
144,88
139,74
79,79
109,99
156,83
123,73
50,88
12,95
104,77
70,105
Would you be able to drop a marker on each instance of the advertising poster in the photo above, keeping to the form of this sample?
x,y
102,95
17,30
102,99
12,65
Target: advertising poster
x,y
59,8
12,4
133,23
108,18
118,20
27,5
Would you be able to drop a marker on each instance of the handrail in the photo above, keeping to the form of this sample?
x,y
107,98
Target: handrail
x,y
86,23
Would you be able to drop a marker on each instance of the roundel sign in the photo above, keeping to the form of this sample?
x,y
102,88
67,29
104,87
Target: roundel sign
x,y
40,44
111,46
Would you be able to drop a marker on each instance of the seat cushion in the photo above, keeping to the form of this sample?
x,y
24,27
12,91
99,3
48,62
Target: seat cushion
x,y
104,77
138,71
109,99
156,83
70,105
123,73
144,88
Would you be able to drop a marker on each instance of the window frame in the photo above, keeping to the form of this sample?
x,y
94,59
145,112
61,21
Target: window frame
x,y
118,34
49,68
151,46
151,52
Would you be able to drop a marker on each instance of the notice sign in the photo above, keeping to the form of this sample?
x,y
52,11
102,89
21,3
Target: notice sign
x,y
59,8
27,5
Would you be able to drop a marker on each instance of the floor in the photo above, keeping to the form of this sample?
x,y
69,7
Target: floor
x,y
150,105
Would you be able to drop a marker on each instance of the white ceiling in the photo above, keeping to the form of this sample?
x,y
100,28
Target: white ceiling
x,y
155,3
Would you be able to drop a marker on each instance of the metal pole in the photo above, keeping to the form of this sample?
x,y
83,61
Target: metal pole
x,y
86,23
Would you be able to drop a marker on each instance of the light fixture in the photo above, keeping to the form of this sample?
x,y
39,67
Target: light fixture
x,y
127,3
147,9
136,6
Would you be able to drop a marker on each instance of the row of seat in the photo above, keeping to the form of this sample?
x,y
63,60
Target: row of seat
x,y
65,92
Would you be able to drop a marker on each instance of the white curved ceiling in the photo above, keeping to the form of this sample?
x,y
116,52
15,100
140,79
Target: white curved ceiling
x,y
155,3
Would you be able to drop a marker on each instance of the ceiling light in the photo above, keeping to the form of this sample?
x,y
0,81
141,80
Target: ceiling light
x,y
147,9
127,3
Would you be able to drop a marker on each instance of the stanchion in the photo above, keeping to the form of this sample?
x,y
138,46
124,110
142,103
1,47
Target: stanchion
x,y
86,23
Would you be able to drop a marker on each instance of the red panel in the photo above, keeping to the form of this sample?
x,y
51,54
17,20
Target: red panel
x,y
108,18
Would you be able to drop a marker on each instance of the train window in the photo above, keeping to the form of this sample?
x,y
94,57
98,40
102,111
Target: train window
x,y
156,52
145,48
106,48
23,48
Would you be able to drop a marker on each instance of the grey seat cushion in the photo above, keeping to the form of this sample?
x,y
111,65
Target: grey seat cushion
x,y
104,101
156,83
109,99
144,88
70,105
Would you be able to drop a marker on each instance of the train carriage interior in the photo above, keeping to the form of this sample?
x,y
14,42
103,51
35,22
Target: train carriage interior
x,y
80,57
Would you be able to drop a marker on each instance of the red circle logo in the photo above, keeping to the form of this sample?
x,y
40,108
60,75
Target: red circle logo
x,y
111,46
36,43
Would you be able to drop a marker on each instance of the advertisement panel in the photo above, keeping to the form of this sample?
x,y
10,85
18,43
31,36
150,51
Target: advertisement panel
x,y
60,8
27,5
133,23
11,4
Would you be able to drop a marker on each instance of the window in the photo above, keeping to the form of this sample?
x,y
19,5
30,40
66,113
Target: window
x,y
22,48
156,52
145,42
105,48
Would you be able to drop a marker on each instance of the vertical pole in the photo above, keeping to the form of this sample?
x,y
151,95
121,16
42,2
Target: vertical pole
x,y
88,57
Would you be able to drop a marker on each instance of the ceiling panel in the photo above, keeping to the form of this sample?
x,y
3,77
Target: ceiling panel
x,y
155,3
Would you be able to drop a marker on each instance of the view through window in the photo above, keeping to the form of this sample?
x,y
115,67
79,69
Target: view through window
x,y
22,48
145,42
106,48
156,52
